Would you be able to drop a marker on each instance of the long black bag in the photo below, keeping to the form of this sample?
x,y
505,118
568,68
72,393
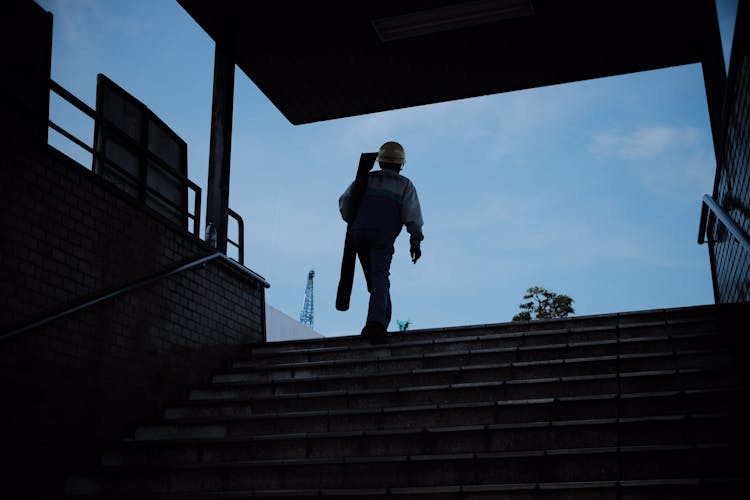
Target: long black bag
x,y
349,259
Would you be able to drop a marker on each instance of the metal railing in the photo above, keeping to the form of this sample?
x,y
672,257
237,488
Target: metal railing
x,y
240,244
709,205
81,304
123,137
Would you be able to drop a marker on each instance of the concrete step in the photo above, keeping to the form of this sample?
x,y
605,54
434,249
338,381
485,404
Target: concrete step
x,y
239,400
628,463
638,405
623,320
675,488
402,345
383,360
548,435
465,374
411,416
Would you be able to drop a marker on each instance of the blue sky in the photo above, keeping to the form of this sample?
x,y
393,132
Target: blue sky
x,y
591,189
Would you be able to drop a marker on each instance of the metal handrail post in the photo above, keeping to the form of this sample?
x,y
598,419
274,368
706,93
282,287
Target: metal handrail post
x,y
240,244
709,204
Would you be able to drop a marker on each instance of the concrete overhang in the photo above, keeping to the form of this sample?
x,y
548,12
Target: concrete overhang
x,y
324,60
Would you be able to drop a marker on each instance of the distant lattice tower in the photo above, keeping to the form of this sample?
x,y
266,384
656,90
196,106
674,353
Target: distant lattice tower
x,y
306,316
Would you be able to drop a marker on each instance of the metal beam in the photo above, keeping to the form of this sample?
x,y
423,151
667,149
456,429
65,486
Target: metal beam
x,y
220,149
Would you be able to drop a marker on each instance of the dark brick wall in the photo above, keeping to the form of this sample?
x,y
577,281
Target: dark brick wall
x,y
86,380
731,263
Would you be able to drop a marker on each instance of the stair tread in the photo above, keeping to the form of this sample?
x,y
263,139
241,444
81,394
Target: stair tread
x,y
435,429
656,317
248,365
397,342
509,364
450,489
271,351
445,386
436,406
438,457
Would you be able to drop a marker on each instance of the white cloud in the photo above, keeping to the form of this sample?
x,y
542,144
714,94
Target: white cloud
x,y
680,178
671,162
645,141
474,134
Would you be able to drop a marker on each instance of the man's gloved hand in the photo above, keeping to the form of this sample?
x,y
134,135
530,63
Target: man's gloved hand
x,y
368,159
416,253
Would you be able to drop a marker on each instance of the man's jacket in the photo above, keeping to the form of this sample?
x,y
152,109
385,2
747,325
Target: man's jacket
x,y
390,202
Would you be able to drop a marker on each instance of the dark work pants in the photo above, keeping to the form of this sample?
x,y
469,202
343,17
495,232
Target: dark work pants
x,y
375,251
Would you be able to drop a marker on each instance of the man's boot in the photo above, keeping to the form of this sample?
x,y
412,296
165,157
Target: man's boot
x,y
374,332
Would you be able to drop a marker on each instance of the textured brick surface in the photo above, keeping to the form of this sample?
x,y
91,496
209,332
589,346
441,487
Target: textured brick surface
x,y
732,191
82,381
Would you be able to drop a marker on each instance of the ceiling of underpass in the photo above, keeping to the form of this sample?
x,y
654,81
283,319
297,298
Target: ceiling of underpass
x,y
325,60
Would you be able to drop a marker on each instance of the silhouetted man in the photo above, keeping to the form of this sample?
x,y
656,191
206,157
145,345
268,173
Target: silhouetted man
x,y
389,203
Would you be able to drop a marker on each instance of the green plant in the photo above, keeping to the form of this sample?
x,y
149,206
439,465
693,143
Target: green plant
x,y
544,304
403,325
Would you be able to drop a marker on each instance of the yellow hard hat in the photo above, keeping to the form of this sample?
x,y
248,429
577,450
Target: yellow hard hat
x,y
392,152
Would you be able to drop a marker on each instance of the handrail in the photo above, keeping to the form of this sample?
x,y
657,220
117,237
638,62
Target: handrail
x,y
240,244
135,285
190,184
153,157
708,203
121,135
65,94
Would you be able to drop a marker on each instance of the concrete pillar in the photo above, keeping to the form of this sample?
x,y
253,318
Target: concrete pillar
x,y
27,55
220,149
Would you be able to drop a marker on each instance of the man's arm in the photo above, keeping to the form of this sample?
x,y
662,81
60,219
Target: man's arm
x,y
344,207
411,215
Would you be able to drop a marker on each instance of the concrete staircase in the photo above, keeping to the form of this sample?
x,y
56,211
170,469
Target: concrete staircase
x,y
633,405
